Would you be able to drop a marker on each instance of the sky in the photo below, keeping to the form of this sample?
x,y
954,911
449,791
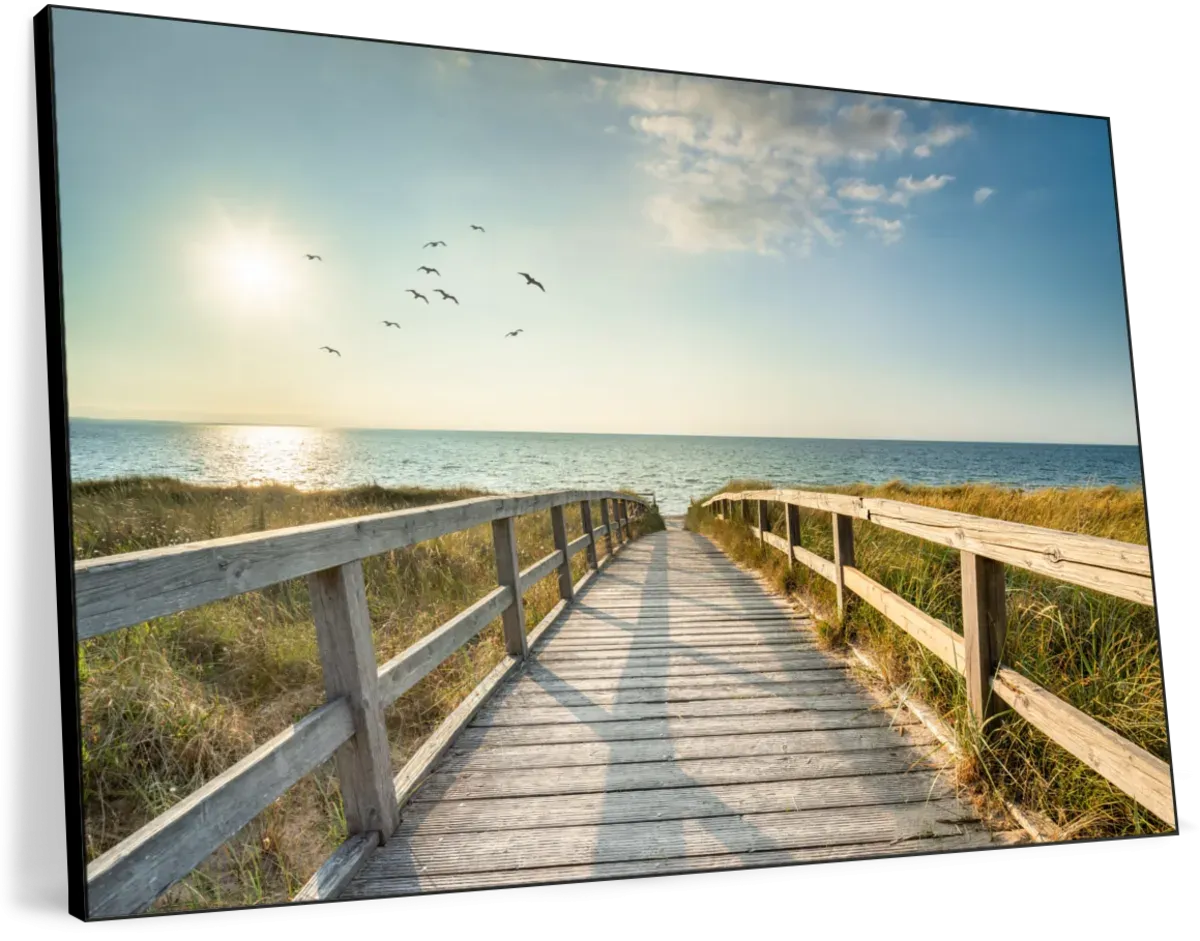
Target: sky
x,y
719,257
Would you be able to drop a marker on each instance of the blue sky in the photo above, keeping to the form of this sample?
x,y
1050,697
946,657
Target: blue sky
x,y
719,257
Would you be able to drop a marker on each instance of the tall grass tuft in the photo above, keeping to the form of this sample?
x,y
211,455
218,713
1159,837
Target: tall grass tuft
x,y
169,704
1097,652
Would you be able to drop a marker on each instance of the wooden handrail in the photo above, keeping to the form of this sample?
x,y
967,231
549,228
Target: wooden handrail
x,y
114,592
1116,568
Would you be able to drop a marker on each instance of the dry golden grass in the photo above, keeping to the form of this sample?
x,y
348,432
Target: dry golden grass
x,y
1099,653
168,704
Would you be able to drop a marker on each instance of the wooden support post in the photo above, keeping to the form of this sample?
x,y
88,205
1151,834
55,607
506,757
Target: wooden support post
x,y
364,766
625,519
985,624
843,554
606,522
508,574
558,523
621,534
793,532
764,520
585,516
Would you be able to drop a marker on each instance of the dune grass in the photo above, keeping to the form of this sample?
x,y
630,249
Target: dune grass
x,y
1097,652
169,704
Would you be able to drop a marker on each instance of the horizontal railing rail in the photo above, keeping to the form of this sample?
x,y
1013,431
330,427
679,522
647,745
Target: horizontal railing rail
x,y
986,546
115,592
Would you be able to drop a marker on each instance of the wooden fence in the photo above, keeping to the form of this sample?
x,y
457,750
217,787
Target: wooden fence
x,y
986,547
114,592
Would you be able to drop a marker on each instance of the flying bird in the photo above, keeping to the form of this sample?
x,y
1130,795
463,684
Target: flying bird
x,y
331,350
429,270
432,244
445,296
530,279
513,333
391,323
314,257
478,228
417,294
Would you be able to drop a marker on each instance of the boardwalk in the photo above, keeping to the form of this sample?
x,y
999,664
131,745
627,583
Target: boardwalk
x,y
679,718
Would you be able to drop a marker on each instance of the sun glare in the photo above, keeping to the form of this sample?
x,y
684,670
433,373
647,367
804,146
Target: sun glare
x,y
253,272
247,268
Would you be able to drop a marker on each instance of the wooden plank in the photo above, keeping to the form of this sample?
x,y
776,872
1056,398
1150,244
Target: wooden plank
x,y
116,591
863,715
720,707
624,514
678,667
406,669
809,499
606,523
336,872
1143,776
132,874
533,574
792,533
843,556
711,646
383,882
585,515
822,567
534,698
676,803
928,630
748,833
558,525
508,574
730,653
984,627
574,754
776,542
343,621
1131,586
764,521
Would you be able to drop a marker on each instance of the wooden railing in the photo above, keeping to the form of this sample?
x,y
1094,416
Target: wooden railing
x,y
119,591
986,546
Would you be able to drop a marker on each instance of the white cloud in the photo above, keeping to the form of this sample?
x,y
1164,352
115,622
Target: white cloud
x,y
861,190
890,230
743,166
940,136
907,187
463,61
982,194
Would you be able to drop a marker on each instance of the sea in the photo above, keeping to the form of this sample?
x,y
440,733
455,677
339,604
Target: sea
x,y
676,469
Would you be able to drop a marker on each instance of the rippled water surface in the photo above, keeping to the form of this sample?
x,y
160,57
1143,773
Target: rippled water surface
x,y
674,468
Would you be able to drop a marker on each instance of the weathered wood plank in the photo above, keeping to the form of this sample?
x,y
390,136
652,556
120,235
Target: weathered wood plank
x,y
843,557
750,833
337,871
808,499
585,516
116,591
533,574
607,524
558,527
508,574
1143,776
984,627
537,697
469,758
680,668
339,607
931,632
382,882
410,666
132,874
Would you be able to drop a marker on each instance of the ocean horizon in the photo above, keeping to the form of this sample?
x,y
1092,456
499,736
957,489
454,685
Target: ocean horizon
x,y
676,468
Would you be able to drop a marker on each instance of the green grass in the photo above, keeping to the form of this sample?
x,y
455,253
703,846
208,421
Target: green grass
x,y
1097,652
169,704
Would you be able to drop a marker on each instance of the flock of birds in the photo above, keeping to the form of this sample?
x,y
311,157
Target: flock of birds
x,y
530,281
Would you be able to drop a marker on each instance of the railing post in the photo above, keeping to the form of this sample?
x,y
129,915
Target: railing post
x,y
508,574
558,523
985,624
364,766
793,532
607,524
764,523
843,554
585,517
624,511
616,512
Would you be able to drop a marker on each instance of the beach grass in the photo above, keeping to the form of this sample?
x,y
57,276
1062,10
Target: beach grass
x,y
1097,652
169,704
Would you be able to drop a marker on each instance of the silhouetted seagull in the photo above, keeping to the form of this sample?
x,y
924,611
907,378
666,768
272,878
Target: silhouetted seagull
x,y
429,270
445,296
391,323
432,244
314,257
331,350
478,228
513,333
417,294
530,279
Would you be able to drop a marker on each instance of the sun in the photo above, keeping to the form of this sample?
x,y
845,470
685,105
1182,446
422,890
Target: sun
x,y
252,270
247,267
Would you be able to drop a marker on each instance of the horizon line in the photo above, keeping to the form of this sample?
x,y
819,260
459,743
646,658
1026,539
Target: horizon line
x,y
634,434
